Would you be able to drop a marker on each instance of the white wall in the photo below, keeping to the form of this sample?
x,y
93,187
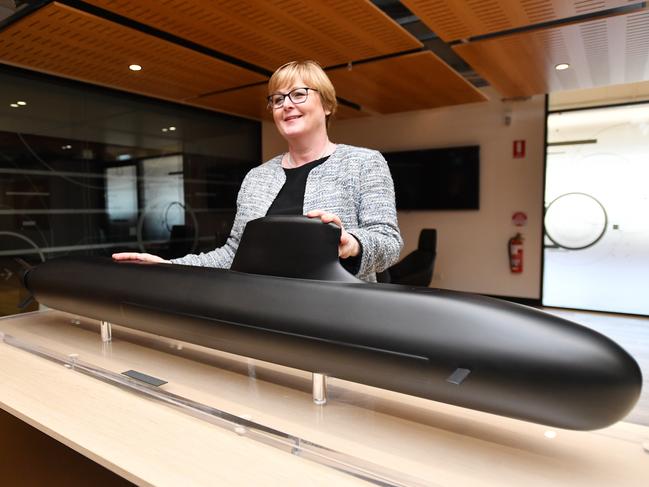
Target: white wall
x,y
472,245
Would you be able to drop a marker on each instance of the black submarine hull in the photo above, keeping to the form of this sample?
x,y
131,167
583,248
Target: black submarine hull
x,y
457,348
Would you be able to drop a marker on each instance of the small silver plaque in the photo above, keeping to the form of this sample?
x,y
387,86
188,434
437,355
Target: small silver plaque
x,y
458,376
148,379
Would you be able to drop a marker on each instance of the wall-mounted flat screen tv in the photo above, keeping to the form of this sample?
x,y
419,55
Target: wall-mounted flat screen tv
x,y
436,179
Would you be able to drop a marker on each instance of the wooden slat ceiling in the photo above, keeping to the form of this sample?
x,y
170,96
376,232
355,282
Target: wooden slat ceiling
x,y
64,41
251,102
412,82
610,51
268,33
60,40
460,19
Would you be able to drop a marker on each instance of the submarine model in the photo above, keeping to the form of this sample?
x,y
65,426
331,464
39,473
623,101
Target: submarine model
x,y
287,300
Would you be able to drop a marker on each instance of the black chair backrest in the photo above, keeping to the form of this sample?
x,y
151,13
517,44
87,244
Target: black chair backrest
x,y
416,268
428,240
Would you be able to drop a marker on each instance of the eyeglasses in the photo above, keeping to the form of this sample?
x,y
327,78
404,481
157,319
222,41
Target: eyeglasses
x,y
297,96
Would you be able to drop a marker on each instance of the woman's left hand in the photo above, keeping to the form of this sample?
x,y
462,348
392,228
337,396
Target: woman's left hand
x,y
348,246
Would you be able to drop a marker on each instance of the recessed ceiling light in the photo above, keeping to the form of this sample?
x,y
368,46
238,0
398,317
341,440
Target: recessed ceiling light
x,y
21,103
172,128
135,67
165,129
14,105
562,66
66,147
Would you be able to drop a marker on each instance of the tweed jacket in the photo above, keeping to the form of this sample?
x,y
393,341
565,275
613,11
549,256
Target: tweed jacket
x,y
353,183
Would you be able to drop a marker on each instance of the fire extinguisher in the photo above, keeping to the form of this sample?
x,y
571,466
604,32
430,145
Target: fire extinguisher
x,y
515,247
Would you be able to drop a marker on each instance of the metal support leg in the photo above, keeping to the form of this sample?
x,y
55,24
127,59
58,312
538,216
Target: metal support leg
x,y
319,389
106,331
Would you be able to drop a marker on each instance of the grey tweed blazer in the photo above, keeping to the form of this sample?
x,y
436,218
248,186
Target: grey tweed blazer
x,y
354,183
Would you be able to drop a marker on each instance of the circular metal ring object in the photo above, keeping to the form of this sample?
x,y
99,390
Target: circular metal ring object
x,y
575,221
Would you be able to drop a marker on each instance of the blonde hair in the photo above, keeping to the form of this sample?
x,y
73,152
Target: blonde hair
x,y
313,76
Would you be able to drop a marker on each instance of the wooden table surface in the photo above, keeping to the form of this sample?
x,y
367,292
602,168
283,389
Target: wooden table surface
x,y
150,443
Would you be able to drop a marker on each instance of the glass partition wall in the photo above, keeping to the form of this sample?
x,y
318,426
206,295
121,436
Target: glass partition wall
x,y
596,249
88,171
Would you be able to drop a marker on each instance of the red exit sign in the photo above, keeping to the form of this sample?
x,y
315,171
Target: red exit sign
x,y
519,149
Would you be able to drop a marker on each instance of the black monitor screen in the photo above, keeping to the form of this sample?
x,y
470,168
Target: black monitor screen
x,y
436,179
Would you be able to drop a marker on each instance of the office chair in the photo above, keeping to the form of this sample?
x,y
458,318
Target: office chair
x,y
416,268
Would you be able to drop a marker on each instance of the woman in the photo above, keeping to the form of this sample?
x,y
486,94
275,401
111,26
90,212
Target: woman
x,y
349,186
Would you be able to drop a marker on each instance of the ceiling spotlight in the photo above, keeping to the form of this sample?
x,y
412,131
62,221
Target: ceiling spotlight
x,y
66,147
562,66
172,128
165,129
135,67
14,105
21,103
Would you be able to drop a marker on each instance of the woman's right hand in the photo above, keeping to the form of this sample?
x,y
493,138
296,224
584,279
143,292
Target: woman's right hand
x,y
139,257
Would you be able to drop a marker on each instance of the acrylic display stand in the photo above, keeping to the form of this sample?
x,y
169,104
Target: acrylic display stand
x,y
363,433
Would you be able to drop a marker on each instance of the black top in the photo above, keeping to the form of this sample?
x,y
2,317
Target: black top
x,y
290,201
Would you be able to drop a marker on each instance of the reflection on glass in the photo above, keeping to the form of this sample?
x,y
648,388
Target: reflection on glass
x,y
121,194
597,201
575,221
89,171
163,193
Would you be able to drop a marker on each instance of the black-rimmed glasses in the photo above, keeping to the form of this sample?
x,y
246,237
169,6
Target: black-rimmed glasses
x,y
296,95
